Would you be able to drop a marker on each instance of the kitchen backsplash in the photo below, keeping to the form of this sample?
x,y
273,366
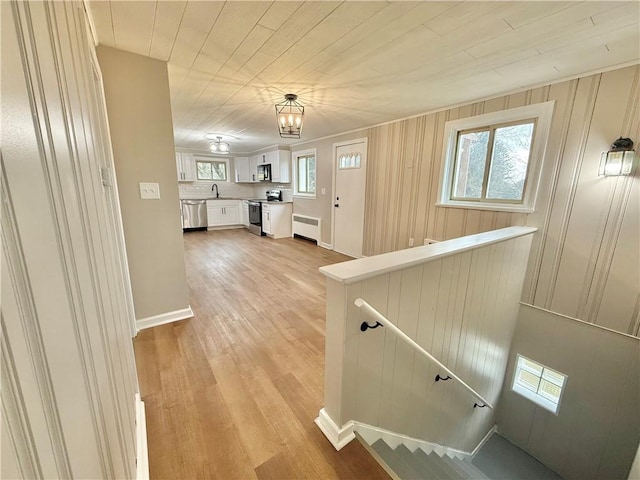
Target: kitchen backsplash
x,y
234,190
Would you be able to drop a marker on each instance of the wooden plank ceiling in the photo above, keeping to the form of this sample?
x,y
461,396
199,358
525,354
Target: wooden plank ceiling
x,y
355,64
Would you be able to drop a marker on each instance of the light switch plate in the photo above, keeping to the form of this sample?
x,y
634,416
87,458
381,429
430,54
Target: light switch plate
x,y
149,191
323,191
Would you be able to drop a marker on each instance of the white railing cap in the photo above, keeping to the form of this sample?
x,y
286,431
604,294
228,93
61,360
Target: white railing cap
x,y
362,268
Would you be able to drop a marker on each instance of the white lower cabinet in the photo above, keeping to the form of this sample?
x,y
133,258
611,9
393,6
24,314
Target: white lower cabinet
x,y
223,213
276,219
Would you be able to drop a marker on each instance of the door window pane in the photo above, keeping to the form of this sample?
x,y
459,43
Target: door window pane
x,y
349,160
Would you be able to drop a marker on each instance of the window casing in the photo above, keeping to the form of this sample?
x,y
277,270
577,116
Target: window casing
x,y
540,384
494,161
305,173
212,169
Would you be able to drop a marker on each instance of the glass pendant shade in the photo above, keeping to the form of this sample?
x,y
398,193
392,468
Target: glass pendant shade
x,y
219,146
289,115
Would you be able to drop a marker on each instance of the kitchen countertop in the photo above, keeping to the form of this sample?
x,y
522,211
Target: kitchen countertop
x,y
233,198
213,198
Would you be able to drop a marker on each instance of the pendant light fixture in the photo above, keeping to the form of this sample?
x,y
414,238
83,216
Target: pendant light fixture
x,y
218,146
289,116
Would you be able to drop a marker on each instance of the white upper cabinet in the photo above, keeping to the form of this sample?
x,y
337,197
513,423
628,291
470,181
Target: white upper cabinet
x,y
280,161
186,167
244,174
246,168
281,167
253,168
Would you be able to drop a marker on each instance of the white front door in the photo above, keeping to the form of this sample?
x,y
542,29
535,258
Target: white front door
x,y
348,199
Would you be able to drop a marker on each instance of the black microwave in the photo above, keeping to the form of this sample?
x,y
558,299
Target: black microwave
x,y
264,172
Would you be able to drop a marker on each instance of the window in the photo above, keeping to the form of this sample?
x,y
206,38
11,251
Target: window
x,y
349,160
491,164
214,169
494,161
305,173
538,383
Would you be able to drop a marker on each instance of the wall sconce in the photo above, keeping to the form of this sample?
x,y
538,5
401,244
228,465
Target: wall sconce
x,y
618,160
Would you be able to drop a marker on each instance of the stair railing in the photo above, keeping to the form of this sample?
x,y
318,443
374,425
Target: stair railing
x,y
382,321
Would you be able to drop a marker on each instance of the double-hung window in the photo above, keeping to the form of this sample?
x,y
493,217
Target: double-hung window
x,y
213,169
305,173
494,161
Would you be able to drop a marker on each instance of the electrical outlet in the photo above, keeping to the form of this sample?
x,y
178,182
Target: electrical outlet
x,y
149,191
429,241
411,242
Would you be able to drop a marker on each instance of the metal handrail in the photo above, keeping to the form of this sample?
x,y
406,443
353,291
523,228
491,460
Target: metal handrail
x,y
381,319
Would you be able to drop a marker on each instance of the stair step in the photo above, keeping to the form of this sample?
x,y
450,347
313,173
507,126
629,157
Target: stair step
x,y
453,464
498,459
443,469
427,468
472,471
395,462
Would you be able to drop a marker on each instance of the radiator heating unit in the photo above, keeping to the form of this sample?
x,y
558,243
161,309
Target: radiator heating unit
x,y
307,227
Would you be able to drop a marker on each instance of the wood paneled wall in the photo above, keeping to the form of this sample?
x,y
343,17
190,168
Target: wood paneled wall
x,y
68,372
597,429
586,254
462,308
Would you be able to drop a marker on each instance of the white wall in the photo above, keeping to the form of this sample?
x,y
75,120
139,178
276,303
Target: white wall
x,y
139,111
461,307
68,372
596,432
584,255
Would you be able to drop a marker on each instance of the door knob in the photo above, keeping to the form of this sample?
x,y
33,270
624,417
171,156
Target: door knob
x,y
336,205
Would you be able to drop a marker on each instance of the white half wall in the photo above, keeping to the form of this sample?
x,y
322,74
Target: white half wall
x,y
457,299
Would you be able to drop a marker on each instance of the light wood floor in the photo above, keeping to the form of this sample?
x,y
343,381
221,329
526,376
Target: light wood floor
x,y
233,392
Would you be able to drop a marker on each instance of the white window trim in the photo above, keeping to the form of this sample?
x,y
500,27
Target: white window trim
x,y
207,158
533,396
294,157
543,112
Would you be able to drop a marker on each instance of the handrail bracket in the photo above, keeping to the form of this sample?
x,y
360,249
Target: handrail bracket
x,y
382,321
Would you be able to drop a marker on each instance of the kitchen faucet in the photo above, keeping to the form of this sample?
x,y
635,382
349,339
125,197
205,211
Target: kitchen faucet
x,y
216,186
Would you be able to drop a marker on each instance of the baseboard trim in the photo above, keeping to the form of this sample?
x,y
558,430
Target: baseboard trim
x,y
338,436
371,434
142,453
164,318
484,440
328,246
224,227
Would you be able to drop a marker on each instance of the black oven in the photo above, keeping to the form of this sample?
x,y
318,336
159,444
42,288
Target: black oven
x,y
255,217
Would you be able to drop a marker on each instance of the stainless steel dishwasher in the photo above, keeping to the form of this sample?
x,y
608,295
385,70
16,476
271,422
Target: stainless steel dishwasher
x,y
194,214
